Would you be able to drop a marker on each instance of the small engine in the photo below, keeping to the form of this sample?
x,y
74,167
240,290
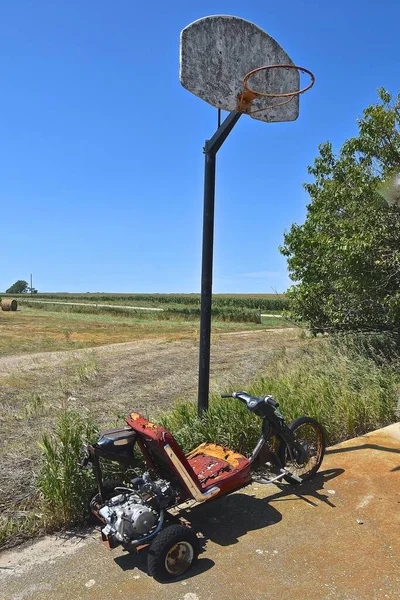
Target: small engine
x,y
127,517
132,513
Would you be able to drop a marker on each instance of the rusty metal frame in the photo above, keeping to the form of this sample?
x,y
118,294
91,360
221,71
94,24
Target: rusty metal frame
x,y
195,492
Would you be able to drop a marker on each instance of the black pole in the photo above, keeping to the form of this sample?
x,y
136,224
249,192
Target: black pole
x,y
206,281
210,150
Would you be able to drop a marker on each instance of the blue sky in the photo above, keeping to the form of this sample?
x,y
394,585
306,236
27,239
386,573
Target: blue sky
x,y
101,164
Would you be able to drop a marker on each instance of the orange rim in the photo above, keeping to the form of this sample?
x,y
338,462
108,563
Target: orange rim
x,y
269,95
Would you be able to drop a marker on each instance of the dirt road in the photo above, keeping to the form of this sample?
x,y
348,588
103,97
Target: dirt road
x,y
335,538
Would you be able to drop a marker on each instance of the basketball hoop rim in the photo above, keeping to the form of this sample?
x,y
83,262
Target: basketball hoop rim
x,y
246,87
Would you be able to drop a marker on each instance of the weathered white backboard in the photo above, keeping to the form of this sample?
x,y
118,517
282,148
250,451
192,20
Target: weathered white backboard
x,y
217,52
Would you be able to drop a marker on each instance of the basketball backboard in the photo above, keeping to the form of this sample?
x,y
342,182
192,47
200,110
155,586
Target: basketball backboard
x,y
218,51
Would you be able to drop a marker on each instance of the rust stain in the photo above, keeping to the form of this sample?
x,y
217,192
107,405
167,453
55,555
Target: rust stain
x,y
143,423
208,467
211,461
207,463
216,451
151,426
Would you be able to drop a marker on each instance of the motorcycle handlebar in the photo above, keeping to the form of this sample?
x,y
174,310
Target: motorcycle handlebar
x,y
253,403
259,406
244,397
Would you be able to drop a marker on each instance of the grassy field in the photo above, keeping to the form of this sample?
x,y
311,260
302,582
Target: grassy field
x,y
105,382
239,299
348,392
260,302
349,388
32,330
232,308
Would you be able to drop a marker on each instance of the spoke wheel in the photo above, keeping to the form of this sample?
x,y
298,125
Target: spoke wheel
x,y
310,435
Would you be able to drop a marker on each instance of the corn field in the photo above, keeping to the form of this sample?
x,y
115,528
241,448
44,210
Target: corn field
x,y
260,302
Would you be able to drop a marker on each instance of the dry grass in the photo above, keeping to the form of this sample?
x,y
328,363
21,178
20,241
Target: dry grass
x,y
105,383
349,392
29,330
99,377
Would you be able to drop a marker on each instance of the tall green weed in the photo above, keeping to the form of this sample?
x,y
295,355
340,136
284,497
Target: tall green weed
x,y
64,486
349,392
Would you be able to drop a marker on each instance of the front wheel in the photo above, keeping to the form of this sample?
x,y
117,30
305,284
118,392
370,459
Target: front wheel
x,y
310,435
174,550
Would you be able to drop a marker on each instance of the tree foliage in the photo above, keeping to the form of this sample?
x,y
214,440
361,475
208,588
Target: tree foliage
x,y
345,258
19,287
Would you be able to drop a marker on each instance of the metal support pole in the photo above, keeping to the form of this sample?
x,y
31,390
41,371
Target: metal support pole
x,y
206,281
210,150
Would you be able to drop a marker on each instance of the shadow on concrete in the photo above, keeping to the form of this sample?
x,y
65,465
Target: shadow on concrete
x,y
361,447
226,519
309,489
222,521
128,562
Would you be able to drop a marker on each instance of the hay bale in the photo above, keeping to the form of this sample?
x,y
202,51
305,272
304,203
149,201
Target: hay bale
x,y
8,304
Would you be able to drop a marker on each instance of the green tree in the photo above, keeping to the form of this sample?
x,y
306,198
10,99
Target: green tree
x,y
345,258
19,287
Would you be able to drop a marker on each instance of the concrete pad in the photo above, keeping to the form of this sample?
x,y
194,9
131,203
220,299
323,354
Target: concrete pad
x,y
334,538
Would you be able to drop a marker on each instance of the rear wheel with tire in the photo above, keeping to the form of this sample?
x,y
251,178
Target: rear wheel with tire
x,y
174,550
310,435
